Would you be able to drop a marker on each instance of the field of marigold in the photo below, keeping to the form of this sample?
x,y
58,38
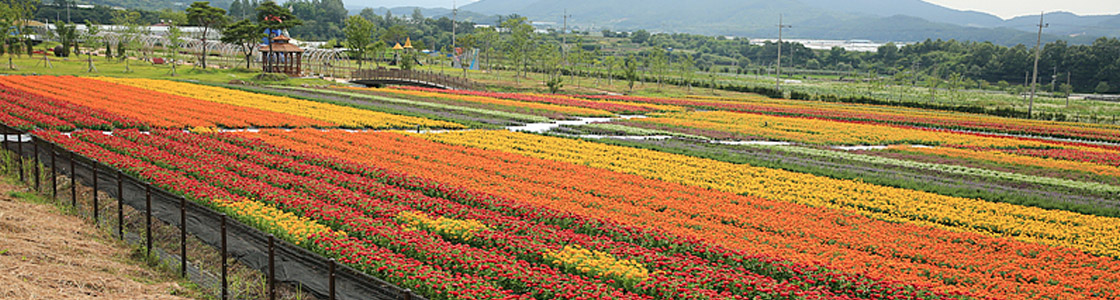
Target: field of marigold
x,y
670,198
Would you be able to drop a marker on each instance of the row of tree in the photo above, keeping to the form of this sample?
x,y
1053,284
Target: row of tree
x,y
1085,67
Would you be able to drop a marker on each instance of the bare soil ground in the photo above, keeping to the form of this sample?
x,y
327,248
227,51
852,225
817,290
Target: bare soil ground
x,y
46,254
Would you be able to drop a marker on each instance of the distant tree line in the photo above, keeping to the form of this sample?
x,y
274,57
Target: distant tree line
x,y
1088,68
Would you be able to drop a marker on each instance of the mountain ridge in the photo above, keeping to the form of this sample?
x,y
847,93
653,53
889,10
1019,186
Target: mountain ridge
x,y
821,19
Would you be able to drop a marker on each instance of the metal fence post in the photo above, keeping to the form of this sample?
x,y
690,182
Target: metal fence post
x,y
120,204
73,183
4,141
183,236
148,216
54,172
225,255
96,207
19,157
271,267
330,279
35,166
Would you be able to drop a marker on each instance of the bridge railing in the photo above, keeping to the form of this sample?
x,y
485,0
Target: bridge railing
x,y
415,76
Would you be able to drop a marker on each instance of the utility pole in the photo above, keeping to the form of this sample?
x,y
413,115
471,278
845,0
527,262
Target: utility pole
x,y
781,26
1037,54
564,38
454,17
1054,79
1069,83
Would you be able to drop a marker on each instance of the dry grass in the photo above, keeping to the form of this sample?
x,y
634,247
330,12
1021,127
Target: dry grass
x,y
46,254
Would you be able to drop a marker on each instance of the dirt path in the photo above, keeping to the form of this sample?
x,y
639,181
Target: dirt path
x,y
45,254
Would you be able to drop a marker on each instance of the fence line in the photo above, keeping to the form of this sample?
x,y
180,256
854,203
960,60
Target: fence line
x,y
280,260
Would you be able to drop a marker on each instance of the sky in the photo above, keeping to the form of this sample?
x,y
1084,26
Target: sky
x,y
399,3
1012,8
1002,8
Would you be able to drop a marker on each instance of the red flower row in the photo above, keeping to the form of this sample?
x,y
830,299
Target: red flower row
x,y
619,108
360,254
528,240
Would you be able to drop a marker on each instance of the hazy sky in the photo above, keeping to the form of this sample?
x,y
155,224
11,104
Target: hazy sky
x,y
1012,8
1003,8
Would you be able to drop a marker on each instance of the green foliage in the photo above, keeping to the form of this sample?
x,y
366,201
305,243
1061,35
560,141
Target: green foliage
x,y
68,36
273,16
359,36
174,39
272,77
630,72
246,35
1102,87
640,37
322,19
208,17
518,41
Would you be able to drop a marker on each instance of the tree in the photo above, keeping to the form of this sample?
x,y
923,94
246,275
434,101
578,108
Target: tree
x,y
173,17
20,11
394,34
487,37
130,21
610,62
236,10
549,60
67,36
275,18
378,49
7,21
631,71
658,62
1102,87
244,34
359,36
933,82
467,42
208,17
174,40
640,37
1067,90
417,16
521,34
92,30
686,68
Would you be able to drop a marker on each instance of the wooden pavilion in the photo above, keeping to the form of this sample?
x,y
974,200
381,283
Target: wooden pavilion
x,y
280,56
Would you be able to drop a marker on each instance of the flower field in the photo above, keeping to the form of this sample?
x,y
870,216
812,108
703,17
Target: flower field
x,y
153,108
698,198
890,115
341,115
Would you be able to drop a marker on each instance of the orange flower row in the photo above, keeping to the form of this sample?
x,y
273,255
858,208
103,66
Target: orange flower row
x,y
154,108
1010,158
566,110
947,261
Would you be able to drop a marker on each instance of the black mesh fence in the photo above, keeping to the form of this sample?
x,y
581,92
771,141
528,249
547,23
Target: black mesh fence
x,y
289,264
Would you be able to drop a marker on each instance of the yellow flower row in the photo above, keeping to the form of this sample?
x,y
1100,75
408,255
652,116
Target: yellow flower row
x,y
655,107
906,111
567,110
460,229
1003,157
345,116
814,131
597,263
1100,235
297,228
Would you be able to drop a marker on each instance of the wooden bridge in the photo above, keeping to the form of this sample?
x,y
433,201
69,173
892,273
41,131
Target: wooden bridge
x,y
382,77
